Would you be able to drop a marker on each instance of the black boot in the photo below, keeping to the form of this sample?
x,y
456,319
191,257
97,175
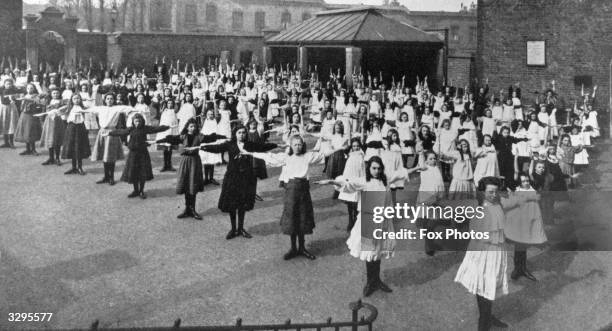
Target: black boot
x,y
517,272
233,232
80,167
241,231
111,173
170,168
33,149
484,310
50,160
105,179
526,272
135,192
6,142
58,151
293,252
370,286
194,213
12,140
27,150
187,212
379,283
302,249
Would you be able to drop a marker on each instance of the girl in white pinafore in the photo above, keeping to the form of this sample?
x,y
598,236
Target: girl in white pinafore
x,y
578,138
462,185
168,118
483,270
486,164
353,170
366,248
209,160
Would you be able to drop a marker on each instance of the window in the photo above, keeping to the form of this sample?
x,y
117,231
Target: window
x,y
190,13
161,17
286,18
472,33
454,33
260,20
237,20
306,16
211,13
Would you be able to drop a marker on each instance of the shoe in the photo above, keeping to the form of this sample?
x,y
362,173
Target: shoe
x,y
25,153
71,172
186,213
111,182
164,169
195,214
102,181
214,182
59,163
133,194
307,254
48,162
516,274
529,276
35,153
258,198
231,235
143,195
171,169
497,323
245,234
369,289
291,254
383,287
5,146
430,252
81,171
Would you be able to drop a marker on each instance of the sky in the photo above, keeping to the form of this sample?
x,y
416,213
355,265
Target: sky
x,y
446,5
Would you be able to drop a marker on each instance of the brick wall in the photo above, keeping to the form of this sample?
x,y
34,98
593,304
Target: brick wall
x,y
137,49
91,44
459,71
578,37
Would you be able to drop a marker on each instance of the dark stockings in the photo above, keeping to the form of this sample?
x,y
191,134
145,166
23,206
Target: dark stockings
x,y
209,171
485,307
373,281
520,264
298,247
352,214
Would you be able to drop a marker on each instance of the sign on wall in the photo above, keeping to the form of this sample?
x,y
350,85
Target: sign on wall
x,y
536,53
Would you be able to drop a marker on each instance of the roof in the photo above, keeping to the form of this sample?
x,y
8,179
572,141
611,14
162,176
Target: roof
x,y
353,26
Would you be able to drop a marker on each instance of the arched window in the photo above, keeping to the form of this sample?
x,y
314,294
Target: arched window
x,y
286,18
211,13
306,16
237,20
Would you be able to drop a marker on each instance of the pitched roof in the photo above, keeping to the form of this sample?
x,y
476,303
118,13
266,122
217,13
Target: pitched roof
x,y
352,26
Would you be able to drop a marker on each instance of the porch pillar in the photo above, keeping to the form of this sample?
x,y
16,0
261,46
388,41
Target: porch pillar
x,y
303,59
353,64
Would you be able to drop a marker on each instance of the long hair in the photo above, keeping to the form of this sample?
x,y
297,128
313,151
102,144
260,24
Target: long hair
x,y
382,177
460,149
238,127
189,122
140,117
341,131
390,136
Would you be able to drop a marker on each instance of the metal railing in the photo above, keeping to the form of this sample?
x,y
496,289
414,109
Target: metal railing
x,y
355,324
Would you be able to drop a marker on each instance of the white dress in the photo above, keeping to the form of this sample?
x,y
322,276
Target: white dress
x,y
185,113
210,127
581,138
469,135
592,122
392,160
432,187
524,223
404,129
168,118
488,126
483,270
375,135
225,128
353,170
486,164
462,185
368,249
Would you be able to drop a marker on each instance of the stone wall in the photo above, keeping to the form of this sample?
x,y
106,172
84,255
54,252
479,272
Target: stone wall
x,y
91,45
12,38
136,50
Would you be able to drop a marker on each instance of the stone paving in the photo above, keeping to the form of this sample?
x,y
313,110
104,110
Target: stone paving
x,y
84,252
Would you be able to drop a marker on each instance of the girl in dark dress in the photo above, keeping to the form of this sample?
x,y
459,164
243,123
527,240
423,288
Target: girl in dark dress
x,y
76,137
259,166
190,177
138,164
240,181
29,129
505,159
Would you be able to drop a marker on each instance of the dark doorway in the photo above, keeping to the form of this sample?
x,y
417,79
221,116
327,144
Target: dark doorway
x,y
246,57
51,48
326,60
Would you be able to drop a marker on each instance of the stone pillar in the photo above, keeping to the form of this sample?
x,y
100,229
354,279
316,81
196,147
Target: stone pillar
x,y
174,25
353,63
31,41
70,49
146,23
303,59
113,50
266,54
224,58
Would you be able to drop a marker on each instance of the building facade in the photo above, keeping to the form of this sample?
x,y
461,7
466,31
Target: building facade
x,y
535,42
227,17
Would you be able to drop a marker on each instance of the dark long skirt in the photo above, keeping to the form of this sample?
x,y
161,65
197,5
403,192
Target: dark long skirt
x,y
298,215
335,165
76,142
29,129
259,168
238,191
190,175
137,167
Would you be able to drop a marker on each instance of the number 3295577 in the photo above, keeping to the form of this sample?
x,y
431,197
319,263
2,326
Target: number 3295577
x,y
29,317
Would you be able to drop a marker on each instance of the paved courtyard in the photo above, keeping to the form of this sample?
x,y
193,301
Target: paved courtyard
x,y
84,252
